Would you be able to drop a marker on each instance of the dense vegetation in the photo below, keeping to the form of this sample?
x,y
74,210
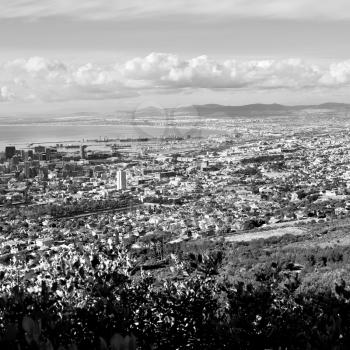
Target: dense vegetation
x,y
265,294
71,208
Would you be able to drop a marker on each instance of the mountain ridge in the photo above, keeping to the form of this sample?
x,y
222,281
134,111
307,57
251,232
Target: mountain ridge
x,y
218,110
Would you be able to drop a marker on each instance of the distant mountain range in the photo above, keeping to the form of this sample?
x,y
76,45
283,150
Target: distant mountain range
x,y
208,110
216,110
204,111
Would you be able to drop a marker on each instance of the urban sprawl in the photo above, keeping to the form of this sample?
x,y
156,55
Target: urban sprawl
x,y
161,240
178,188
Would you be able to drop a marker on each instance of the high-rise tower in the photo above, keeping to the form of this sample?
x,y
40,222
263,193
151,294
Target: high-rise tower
x,y
121,180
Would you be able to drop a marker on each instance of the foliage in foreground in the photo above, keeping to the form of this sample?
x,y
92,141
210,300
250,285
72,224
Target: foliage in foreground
x,y
88,297
199,312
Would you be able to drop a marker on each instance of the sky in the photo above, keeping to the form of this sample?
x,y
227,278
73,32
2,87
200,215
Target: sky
x,y
106,55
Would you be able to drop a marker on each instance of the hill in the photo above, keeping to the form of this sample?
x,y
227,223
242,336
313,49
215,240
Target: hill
x,y
257,109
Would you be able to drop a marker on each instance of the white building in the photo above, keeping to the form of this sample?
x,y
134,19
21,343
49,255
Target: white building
x,y
121,180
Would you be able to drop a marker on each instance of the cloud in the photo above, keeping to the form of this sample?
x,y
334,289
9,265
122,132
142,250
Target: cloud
x,y
6,94
127,9
44,79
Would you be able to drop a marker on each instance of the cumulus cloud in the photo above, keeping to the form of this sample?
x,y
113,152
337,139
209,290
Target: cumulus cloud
x,y
126,9
43,79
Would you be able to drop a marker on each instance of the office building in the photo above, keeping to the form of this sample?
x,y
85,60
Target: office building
x,y
14,161
121,180
83,152
10,151
27,169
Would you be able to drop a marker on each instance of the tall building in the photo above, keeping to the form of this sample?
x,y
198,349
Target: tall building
x,y
14,160
83,152
10,151
121,180
41,156
27,169
49,152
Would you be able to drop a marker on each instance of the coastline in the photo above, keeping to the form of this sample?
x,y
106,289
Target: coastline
x,y
22,135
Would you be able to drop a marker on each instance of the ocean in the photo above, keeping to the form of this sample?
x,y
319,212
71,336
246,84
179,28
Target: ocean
x,y
24,135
